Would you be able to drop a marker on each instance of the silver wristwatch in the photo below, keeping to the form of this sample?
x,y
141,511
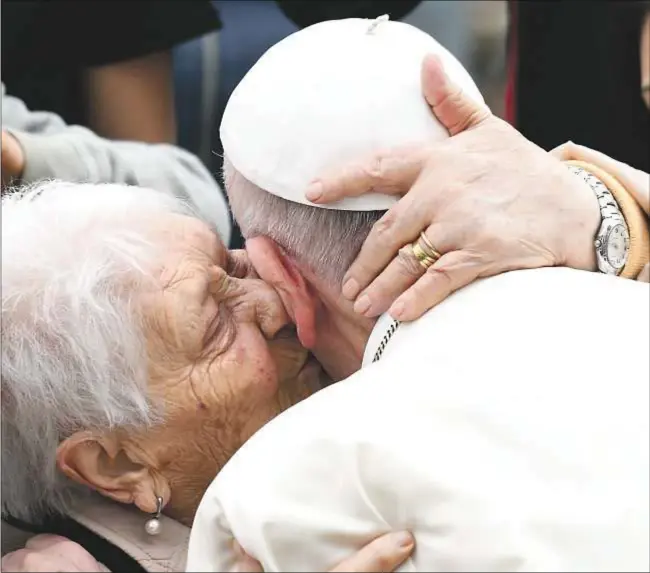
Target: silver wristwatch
x,y
613,238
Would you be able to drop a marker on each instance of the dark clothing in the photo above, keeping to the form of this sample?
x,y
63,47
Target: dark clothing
x,y
305,13
46,44
576,76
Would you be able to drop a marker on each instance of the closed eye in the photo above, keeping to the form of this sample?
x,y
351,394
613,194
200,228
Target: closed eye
x,y
212,328
220,333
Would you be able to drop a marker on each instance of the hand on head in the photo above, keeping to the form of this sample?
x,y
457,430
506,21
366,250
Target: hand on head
x,y
486,199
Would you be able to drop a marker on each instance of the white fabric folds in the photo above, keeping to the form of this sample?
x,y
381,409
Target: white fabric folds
x,y
507,429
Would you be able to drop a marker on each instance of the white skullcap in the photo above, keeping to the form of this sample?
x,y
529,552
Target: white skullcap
x,y
331,94
514,446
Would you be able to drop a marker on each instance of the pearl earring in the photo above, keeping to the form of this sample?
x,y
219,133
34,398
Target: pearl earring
x,y
152,527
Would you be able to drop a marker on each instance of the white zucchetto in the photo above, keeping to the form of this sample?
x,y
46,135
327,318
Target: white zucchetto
x,y
331,94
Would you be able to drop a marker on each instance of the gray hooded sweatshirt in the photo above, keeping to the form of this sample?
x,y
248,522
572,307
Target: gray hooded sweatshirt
x,y
55,150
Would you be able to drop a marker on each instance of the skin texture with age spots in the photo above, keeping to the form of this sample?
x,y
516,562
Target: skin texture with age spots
x,y
223,361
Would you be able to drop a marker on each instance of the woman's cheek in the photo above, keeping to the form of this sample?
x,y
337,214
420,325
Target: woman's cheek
x,y
253,369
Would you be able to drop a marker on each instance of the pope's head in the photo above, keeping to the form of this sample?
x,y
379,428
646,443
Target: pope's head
x,y
326,96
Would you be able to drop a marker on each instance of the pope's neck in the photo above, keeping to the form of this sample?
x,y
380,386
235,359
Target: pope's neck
x,y
341,336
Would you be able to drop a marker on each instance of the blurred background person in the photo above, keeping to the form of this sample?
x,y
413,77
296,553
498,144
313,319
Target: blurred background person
x,y
574,74
100,64
92,96
195,53
153,71
39,145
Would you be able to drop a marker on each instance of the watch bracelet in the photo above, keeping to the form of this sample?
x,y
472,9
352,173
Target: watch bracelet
x,y
609,207
610,215
636,219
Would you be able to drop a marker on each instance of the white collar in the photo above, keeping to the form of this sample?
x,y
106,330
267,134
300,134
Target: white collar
x,y
379,338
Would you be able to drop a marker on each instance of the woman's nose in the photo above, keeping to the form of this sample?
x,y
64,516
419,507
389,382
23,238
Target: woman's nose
x,y
239,265
270,312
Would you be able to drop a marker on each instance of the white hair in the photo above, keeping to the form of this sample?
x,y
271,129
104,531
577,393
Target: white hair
x,y
326,240
73,351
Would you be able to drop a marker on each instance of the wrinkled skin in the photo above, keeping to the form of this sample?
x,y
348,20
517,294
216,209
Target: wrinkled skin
x,y
223,361
486,198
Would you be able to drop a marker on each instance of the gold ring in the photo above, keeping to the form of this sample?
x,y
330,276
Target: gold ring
x,y
425,260
428,247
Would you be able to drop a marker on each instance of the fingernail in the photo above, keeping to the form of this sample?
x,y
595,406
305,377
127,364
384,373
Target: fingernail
x,y
397,310
314,191
362,305
404,539
350,289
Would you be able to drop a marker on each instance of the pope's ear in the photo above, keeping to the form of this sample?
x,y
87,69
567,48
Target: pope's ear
x,y
277,269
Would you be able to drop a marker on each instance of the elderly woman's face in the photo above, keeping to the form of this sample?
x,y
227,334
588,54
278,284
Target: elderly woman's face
x,y
223,359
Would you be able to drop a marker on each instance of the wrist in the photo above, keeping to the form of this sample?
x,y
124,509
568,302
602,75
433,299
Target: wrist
x,y
50,157
578,224
634,220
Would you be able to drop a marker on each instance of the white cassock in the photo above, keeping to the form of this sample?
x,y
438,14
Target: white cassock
x,y
507,429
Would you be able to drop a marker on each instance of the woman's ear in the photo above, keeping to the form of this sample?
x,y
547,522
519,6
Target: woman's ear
x,y
277,269
102,464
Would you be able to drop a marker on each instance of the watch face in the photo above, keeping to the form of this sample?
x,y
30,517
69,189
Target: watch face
x,y
618,241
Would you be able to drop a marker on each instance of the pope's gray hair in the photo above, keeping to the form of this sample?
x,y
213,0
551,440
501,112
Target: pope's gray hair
x,y
74,257
325,240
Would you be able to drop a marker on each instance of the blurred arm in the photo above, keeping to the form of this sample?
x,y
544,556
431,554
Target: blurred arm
x,y
54,150
133,100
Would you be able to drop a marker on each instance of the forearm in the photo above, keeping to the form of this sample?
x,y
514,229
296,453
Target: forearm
x,y
54,150
133,100
76,154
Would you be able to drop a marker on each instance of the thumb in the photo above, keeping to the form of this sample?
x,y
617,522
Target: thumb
x,y
453,108
244,562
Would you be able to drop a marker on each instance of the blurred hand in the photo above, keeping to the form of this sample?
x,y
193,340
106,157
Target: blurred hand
x,y
51,553
13,158
487,199
386,553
